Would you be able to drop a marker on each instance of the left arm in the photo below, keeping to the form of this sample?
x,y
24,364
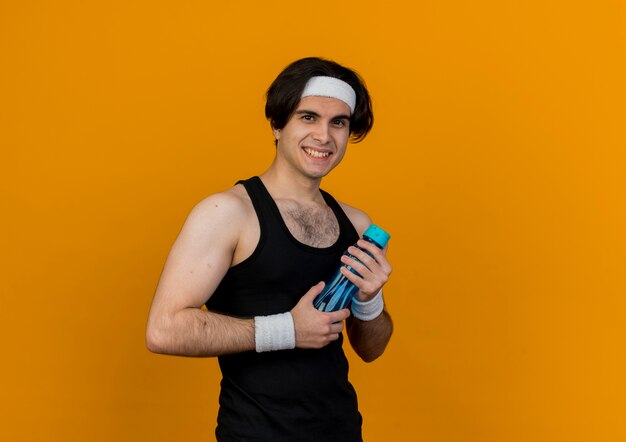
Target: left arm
x,y
368,338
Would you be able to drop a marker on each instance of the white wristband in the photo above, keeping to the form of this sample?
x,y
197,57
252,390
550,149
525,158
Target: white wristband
x,y
274,332
366,311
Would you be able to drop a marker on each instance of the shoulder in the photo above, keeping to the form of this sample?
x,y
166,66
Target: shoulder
x,y
359,219
221,213
233,199
229,202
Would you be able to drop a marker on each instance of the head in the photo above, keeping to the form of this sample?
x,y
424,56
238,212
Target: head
x,y
285,93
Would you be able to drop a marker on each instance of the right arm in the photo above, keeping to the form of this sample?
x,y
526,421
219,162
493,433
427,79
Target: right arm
x,y
199,259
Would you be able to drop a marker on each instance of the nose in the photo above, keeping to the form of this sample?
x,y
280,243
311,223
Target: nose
x,y
321,133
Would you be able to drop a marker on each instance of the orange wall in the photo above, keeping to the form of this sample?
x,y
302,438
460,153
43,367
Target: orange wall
x,y
497,162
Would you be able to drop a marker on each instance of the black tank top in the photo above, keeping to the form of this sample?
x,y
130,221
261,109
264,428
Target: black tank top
x,y
289,395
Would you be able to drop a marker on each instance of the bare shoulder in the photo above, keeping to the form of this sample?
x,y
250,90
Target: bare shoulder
x,y
359,219
203,250
229,205
221,214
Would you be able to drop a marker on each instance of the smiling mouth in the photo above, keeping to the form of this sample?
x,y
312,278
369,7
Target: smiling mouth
x,y
315,153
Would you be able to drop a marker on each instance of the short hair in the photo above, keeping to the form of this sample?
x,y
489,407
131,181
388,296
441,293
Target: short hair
x,y
286,90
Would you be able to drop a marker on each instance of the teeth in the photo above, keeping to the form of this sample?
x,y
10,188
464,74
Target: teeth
x,y
316,154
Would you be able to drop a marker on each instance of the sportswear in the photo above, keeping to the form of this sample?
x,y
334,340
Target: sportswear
x,y
287,395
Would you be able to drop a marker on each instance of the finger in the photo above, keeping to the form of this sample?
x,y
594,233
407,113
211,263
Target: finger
x,y
339,315
374,250
336,327
360,255
357,265
314,291
379,256
354,279
366,286
333,337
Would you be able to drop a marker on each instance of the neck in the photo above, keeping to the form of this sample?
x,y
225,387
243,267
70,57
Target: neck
x,y
291,186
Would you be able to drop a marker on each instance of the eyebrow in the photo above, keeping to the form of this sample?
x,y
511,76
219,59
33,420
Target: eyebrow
x,y
315,114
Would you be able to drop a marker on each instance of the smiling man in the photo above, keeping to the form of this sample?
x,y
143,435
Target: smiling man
x,y
256,255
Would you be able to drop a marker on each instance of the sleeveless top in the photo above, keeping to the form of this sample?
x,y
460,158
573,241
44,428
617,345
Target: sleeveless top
x,y
289,395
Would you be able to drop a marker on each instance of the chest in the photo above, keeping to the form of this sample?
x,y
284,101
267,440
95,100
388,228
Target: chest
x,y
315,226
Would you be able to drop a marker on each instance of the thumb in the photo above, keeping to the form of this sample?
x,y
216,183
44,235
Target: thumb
x,y
313,292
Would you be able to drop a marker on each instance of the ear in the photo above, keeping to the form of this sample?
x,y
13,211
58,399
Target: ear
x,y
276,133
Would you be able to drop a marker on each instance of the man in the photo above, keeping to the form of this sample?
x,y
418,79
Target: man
x,y
256,255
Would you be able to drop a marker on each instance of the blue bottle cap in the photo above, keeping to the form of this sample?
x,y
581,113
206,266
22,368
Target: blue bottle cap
x,y
377,235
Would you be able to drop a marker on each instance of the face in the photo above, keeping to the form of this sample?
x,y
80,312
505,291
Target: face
x,y
314,139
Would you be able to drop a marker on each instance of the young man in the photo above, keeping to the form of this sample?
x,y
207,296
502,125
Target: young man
x,y
256,256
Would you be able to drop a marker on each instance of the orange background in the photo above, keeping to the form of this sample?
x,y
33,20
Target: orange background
x,y
497,162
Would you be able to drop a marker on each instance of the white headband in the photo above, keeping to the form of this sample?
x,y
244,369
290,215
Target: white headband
x,y
330,87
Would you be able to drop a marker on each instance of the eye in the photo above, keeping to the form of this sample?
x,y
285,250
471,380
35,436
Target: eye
x,y
307,117
339,123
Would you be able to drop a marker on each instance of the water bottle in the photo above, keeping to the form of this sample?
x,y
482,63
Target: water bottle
x,y
339,291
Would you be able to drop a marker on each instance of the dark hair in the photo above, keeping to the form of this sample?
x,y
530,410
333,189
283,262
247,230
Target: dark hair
x,y
284,93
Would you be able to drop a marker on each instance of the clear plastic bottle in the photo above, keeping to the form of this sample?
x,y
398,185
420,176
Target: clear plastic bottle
x,y
339,290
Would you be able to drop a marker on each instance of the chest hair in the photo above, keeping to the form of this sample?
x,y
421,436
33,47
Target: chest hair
x,y
315,226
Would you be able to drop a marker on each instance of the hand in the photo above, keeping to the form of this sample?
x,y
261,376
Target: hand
x,y
374,271
315,329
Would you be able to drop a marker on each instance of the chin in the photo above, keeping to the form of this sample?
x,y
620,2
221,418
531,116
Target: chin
x,y
317,176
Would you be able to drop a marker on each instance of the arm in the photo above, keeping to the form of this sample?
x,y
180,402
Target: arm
x,y
198,261
209,242
368,338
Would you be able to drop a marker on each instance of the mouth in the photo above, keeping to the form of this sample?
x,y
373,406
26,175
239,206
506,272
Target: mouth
x,y
318,154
